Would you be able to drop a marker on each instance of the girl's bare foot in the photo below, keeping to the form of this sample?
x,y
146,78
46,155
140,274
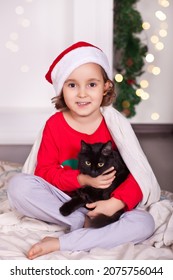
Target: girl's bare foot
x,y
45,246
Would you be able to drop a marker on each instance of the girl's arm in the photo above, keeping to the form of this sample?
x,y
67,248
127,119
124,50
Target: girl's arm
x,y
126,196
48,165
129,192
107,207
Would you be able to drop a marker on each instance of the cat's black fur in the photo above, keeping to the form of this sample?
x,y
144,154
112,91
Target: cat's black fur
x,y
94,159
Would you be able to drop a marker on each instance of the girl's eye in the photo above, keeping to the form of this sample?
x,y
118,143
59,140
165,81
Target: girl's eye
x,y
100,164
92,84
88,163
72,85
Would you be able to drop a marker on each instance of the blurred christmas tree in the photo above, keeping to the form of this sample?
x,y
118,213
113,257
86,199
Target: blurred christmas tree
x,y
129,54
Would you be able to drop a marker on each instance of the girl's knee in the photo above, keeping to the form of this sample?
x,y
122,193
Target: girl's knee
x,y
146,225
18,186
14,184
141,225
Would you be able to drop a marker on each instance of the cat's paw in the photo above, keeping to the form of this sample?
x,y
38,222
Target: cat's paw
x,y
64,210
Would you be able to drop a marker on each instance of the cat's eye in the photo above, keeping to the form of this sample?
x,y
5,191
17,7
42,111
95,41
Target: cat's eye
x,y
87,162
100,164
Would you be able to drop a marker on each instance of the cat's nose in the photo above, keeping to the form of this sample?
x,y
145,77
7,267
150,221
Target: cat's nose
x,y
94,173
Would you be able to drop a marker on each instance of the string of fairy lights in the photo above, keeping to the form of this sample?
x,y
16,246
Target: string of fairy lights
x,y
156,45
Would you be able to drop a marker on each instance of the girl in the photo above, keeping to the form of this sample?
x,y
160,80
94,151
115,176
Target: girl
x,y
81,78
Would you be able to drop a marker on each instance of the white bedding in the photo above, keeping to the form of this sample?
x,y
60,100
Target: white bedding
x,y
18,233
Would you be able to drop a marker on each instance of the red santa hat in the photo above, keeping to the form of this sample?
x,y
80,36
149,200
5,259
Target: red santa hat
x,y
73,57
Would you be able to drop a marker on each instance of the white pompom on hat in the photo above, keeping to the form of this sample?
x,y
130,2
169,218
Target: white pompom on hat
x,y
73,57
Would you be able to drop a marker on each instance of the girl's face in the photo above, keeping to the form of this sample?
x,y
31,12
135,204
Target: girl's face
x,y
84,89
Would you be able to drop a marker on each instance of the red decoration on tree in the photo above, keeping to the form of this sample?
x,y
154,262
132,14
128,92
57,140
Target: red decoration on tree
x,y
126,112
129,62
131,82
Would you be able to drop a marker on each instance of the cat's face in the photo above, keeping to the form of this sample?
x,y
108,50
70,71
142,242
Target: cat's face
x,y
94,159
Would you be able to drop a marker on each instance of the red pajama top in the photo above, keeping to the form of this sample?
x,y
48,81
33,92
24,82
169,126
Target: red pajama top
x,y
57,158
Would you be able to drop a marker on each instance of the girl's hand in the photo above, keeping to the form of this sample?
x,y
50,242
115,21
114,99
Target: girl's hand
x,y
102,181
107,207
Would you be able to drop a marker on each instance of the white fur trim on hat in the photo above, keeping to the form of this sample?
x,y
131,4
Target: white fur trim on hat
x,y
74,59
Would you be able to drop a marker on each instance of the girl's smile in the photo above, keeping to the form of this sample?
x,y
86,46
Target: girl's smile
x,y
82,104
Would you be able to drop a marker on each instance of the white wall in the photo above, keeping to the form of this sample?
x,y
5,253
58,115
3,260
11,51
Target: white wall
x,y
33,33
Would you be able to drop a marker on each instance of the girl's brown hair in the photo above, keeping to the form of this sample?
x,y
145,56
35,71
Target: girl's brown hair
x,y
108,98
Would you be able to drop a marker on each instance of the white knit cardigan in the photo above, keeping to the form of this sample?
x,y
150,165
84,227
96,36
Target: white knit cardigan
x,y
130,149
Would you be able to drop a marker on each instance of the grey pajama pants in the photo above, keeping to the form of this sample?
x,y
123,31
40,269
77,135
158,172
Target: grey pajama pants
x,y
34,197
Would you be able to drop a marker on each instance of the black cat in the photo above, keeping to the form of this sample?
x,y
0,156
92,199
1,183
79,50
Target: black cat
x,y
93,160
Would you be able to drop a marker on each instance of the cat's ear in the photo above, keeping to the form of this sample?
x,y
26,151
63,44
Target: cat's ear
x,y
84,146
107,148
